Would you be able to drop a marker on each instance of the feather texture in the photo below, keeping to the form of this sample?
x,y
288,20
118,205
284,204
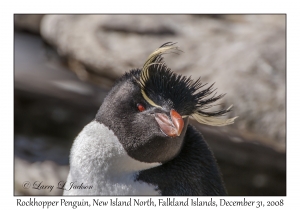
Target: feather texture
x,y
158,83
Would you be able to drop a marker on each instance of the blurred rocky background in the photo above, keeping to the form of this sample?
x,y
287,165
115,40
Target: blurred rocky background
x,y
65,65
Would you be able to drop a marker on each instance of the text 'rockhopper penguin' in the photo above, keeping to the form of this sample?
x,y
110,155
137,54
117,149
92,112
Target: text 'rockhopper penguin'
x,y
141,143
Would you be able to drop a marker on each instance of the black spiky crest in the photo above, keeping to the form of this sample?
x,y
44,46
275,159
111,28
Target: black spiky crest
x,y
160,85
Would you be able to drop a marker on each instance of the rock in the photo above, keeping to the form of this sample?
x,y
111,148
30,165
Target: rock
x,y
39,70
38,177
30,23
243,54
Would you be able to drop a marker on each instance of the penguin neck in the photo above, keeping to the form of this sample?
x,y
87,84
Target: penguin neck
x,y
98,150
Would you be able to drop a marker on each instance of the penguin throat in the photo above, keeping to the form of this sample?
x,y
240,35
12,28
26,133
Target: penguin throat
x,y
98,158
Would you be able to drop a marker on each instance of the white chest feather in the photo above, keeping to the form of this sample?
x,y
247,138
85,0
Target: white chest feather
x,y
99,160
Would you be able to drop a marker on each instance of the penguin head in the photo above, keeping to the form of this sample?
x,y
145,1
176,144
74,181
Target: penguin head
x,y
148,109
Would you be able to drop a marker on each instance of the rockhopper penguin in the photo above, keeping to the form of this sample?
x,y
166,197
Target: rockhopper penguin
x,y
141,143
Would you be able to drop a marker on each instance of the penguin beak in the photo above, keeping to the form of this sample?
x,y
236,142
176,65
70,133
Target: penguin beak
x,y
171,127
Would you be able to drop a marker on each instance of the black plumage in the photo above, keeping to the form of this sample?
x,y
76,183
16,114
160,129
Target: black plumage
x,y
193,172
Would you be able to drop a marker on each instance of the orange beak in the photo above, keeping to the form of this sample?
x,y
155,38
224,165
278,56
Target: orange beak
x,y
171,127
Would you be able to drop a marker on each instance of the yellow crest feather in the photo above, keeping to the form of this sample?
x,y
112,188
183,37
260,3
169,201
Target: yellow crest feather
x,y
202,117
213,121
155,56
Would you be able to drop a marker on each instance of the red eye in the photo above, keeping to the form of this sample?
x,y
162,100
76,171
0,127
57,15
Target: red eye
x,y
140,107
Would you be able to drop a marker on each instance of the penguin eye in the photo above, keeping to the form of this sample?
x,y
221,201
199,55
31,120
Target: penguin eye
x,y
140,107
